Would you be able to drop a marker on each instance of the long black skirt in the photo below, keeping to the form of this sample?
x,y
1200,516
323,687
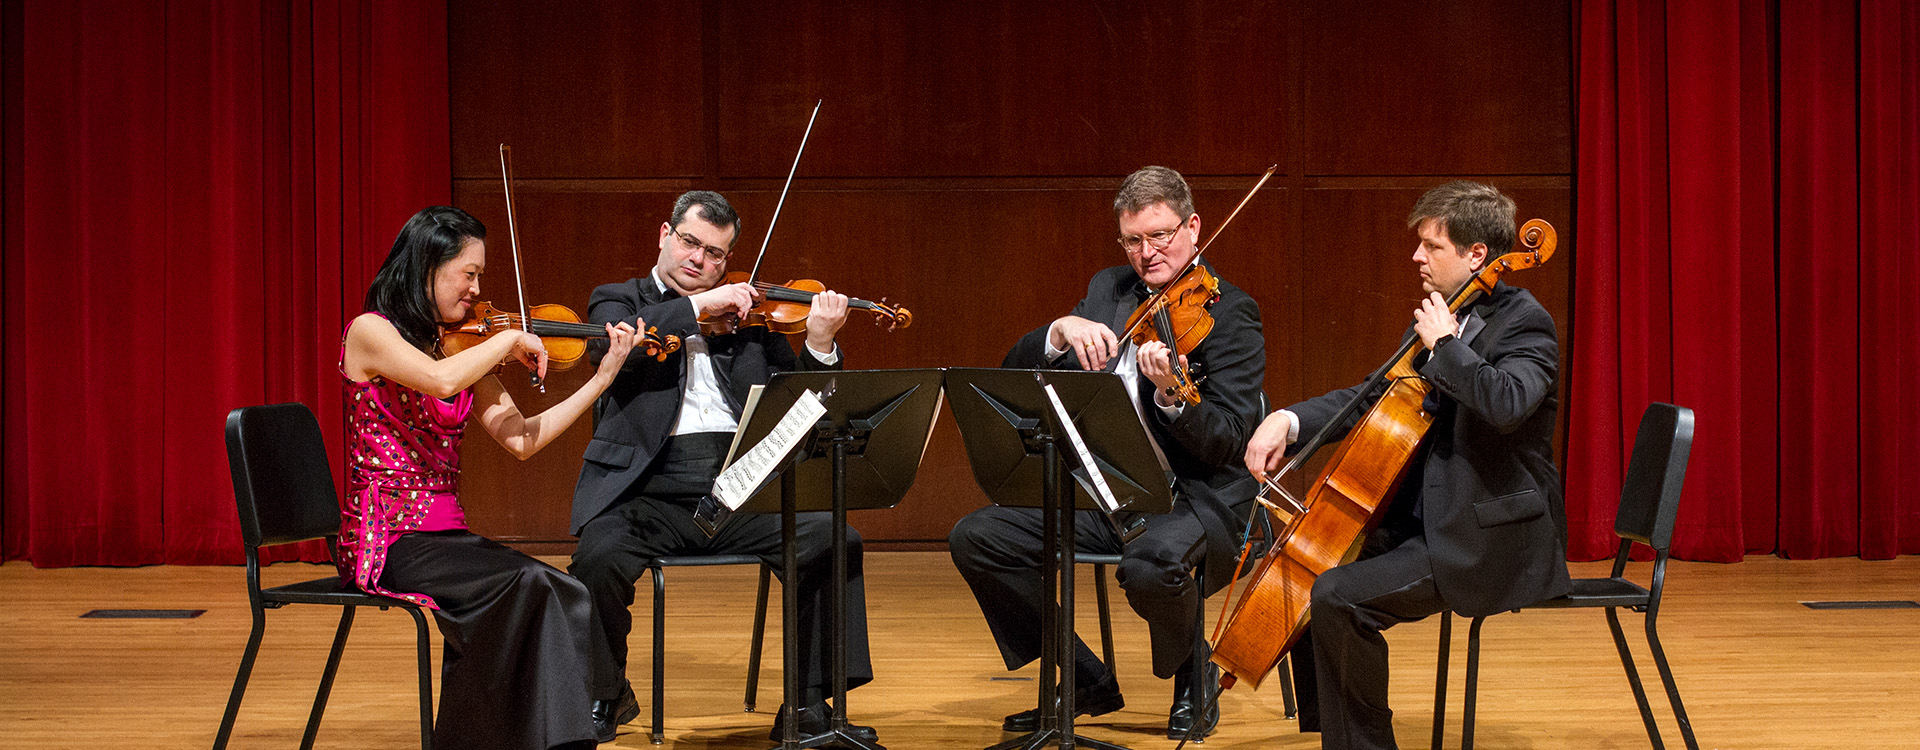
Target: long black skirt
x,y
516,642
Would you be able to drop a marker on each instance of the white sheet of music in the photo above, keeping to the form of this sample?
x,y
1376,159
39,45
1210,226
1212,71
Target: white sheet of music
x,y
1102,493
743,476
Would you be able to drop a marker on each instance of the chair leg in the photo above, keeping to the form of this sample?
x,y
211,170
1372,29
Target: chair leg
x,y
240,679
759,633
1473,684
1287,700
1666,676
1440,680
1106,617
1633,677
422,646
1209,689
326,677
658,734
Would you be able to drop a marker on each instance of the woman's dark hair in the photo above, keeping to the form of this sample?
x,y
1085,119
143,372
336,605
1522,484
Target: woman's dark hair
x,y
429,240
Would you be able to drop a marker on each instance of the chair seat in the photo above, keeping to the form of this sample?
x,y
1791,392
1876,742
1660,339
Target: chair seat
x,y
329,590
1598,592
696,561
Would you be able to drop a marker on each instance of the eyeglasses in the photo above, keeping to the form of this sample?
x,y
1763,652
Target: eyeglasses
x,y
690,243
1157,240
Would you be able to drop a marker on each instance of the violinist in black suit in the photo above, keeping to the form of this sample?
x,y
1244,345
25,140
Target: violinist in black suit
x,y
998,549
662,431
1479,524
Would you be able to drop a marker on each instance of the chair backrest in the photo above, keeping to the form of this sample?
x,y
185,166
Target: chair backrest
x,y
281,480
1650,495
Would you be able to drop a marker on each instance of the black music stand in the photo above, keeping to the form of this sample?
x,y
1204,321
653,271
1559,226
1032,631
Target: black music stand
x,y
873,435
1020,452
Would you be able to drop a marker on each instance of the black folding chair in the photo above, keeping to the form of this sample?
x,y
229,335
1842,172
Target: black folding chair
x,y
285,494
655,568
1649,502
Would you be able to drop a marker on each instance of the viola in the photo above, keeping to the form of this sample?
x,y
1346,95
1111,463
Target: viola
x,y
558,327
1350,494
1180,320
1177,316
788,305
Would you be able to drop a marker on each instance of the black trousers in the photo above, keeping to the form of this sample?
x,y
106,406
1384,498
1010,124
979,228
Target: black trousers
x,y
517,641
998,551
615,547
1352,605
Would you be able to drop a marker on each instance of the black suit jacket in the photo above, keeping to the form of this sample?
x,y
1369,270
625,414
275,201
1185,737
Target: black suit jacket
x,y
1490,498
1205,444
637,413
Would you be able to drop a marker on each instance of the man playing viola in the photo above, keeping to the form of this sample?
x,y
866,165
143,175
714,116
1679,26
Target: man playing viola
x,y
1478,525
998,549
663,430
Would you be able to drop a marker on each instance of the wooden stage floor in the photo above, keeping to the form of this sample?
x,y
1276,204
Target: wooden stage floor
x,y
1757,669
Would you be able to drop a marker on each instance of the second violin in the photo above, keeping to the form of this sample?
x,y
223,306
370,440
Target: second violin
x,y
788,305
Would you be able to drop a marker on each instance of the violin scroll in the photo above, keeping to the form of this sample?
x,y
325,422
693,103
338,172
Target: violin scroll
x,y
894,316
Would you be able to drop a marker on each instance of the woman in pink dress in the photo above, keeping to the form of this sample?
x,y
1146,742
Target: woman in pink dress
x,y
517,644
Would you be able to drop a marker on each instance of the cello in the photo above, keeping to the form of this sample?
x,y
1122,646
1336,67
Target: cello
x,y
1349,495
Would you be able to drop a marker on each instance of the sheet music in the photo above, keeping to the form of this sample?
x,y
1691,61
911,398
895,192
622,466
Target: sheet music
x,y
739,480
1102,494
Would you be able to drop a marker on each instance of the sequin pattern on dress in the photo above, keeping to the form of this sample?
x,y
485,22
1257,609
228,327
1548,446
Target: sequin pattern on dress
x,y
403,470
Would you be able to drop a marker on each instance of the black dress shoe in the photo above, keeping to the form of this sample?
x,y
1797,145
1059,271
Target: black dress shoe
x,y
1100,698
609,715
1186,698
1180,720
814,721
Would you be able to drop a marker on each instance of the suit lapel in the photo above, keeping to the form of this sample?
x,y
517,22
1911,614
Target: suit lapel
x,y
1475,323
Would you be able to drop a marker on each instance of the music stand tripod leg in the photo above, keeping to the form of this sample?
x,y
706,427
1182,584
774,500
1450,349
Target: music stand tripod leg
x,y
838,729
1062,482
1056,695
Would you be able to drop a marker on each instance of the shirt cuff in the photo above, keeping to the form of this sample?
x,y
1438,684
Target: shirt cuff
x,y
1052,353
1171,412
1293,427
832,357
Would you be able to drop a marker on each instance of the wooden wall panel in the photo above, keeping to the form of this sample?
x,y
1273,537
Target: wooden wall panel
x,y
596,89
1000,87
1413,87
965,160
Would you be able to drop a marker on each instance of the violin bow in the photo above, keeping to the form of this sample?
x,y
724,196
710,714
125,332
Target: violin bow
x,y
755,273
513,238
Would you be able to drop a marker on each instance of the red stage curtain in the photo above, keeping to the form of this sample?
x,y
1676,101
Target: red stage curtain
x,y
202,191
1747,214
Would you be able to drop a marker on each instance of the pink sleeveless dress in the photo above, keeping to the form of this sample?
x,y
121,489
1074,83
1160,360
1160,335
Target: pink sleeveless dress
x,y
403,474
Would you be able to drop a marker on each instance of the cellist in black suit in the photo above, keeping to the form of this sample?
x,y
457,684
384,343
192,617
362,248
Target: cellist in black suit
x,y
1479,524
997,549
662,431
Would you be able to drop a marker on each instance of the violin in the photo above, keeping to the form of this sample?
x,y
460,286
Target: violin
x,y
788,306
558,327
1180,320
1177,316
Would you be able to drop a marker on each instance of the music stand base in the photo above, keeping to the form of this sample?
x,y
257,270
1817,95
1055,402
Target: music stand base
x,y
1045,737
832,738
